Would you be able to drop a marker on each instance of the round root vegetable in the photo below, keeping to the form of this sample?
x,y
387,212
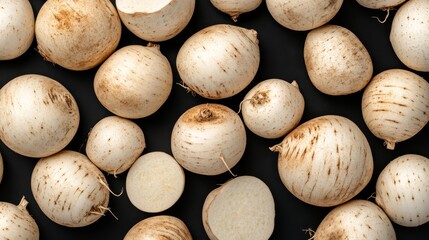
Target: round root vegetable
x,y
409,34
242,208
219,61
155,21
402,190
208,139
395,105
336,60
39,115
114,143
134,82
77,35
155,182
356,219
380,4
302,15
325,161
159,228
236,7
69,189
16,28
16,222
272,108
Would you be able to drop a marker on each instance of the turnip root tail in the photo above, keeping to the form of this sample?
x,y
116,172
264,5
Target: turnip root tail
x,y
23,204
310,232
295,84
101,210
372,196
188,89
241,104
276,148
386,17
389,145
107,186
226,165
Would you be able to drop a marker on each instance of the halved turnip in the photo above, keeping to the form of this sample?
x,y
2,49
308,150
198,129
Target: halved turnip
x,y
402,190
208,139
325,161
16,222
39,115
395,105
69,189
242,208
356,219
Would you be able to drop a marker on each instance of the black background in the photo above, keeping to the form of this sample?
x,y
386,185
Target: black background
x,y
281,57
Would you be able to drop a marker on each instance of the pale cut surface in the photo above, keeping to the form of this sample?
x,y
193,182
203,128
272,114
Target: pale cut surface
x,y
143,6
243,208
155,182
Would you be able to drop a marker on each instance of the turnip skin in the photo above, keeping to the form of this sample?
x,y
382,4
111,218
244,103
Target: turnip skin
x,y
409,34
303,15
16,28
39,115
380,4
77,35
134,82
272,108
208,139
114,143
325,161
336,60
402,190
158,227
156,24
356,220
16,222
69,189
395,105
235,8
219,61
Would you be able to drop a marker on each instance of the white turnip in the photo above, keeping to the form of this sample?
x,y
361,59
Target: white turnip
x,y
16,222
236,7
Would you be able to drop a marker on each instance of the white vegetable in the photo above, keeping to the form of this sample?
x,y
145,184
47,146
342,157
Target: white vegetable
x,y
242,208
302,15
114,143
69,189
380,4
356,219
134,82
155,182
273,108
208,139
325,161
16,222
409,34
236,7
395,105
77,35
155,21
219,61
336,60
402,190
16,28
39,115
159,228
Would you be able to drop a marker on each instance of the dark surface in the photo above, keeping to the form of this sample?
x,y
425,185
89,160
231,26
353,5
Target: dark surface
x,y
281,57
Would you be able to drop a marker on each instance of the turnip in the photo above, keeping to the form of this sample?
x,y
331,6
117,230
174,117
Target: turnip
x,y
134,82
236,7
395,105
356,220
402,190
242,208
16,222
155,182
77,35
208,139
219,61
336,60
155,21
39,115
273,108
380,4
302,15
114,143
409,34
69,189
325,161
159,227
16,28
